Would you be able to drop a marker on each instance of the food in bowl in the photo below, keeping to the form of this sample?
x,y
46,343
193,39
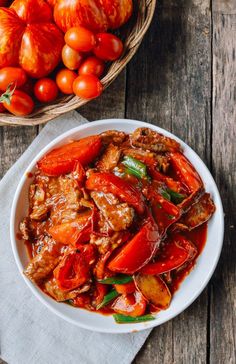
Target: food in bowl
x,y
116,221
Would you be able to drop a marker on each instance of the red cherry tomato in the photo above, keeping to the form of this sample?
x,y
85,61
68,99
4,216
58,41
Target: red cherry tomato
x,y
108,47
46,90
87,87
80,39
21,104
14,75
71,58
92,66
64,80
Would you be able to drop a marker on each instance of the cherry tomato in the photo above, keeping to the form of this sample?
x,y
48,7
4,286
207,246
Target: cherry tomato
x,y
14,75
46,90
87,87
71,58
65,79
21,104
92,66
80,39
108,47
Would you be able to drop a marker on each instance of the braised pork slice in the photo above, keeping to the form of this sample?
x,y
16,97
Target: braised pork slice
x,y
113,136
199,213
110,158
63,199
160,161
149,139
44,262
119,215
52,288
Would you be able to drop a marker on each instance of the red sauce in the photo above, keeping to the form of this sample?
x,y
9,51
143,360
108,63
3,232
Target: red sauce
x,y
29,174
29,248
19,236
198,236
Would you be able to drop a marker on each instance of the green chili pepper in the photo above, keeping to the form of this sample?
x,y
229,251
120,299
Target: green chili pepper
x,y
122,319
175,196
135,167
108,298
165,194
119,279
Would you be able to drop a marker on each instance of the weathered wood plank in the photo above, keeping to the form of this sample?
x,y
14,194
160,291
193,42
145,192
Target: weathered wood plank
x,y
224,7
169,84
14,141
223,289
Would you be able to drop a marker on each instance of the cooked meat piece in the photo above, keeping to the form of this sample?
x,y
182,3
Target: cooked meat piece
x,y
39,212
44,262
188,202
63,199
103,242
199,213
160,161
52,288
113,136
25,229
119,215
149,139
110,158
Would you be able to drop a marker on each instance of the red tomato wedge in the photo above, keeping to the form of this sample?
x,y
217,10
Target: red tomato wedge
x,y
173,254
72,232
72,271
100,292
185,171
125,288
138,251
164,212
109,183
133,305
63,159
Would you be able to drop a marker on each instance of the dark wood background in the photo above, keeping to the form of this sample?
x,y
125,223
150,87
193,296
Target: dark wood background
x,y
183,78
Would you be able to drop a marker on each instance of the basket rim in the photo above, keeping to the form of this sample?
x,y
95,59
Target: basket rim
x,y
72,102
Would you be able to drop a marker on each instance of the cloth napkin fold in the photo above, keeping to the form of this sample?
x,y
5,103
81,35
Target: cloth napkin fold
x,y
29,332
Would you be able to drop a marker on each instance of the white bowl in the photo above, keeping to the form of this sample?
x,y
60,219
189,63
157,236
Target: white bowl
x,y
190,288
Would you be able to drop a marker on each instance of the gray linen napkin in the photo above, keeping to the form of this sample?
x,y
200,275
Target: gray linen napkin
x,y
29,332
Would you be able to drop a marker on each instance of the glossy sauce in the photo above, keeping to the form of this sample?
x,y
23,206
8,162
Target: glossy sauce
x,y
198,236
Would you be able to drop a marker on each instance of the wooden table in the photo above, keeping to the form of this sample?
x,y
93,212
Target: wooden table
x,y
184,80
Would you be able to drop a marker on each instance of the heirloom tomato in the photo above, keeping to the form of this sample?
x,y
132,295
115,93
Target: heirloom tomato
x,y
28,37
97,15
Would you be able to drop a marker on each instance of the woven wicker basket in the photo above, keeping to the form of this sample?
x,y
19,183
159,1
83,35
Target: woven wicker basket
x,y
134,33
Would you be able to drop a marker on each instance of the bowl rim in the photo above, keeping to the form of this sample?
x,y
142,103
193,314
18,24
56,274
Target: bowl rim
x,y
124,328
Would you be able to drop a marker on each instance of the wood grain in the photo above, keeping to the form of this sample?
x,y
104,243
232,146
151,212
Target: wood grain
x,y
13,143
173,90
223,288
